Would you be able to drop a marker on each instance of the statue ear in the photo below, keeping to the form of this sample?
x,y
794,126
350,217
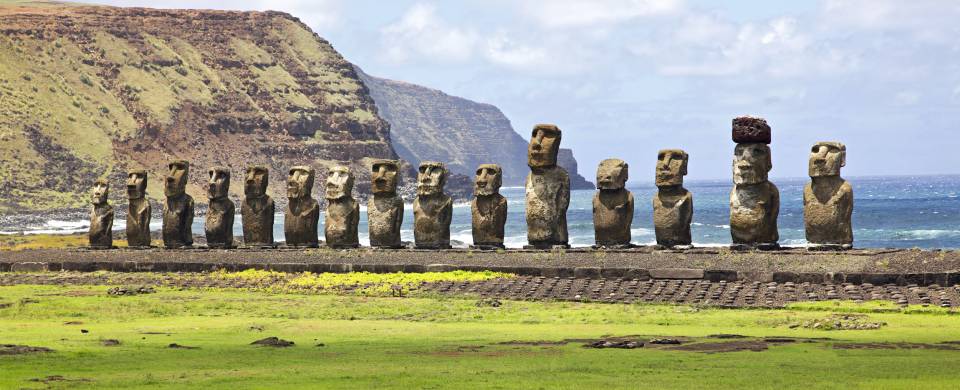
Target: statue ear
x,y
843,157
683,167
769,160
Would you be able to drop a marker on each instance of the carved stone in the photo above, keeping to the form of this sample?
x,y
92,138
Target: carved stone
x,y
138,210
612,205
257,208
754,201
220,214
303,212
101,217
547,191
178,207
343,212
432,210
488,208
385,207
828,199
748,129
673,204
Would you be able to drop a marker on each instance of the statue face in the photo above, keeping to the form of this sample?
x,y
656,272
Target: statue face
x,y
671,167
219,183
176,182
612,174
101,190
826,158
255,185
300,182
431,178
544,145
136,184
751,163
385,175
339,183
488,180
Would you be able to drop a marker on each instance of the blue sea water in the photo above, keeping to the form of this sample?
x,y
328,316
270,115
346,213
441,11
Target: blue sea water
x,y
889,212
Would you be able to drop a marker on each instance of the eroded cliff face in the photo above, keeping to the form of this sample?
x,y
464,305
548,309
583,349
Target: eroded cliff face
x,y
88,92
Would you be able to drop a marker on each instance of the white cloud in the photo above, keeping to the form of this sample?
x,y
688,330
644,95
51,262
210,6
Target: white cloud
x,y
421,34
577,13
907,98
502,50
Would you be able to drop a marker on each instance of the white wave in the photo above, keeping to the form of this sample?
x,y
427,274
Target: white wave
x,y
925,234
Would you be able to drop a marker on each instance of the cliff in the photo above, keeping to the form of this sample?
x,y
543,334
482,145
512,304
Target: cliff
x,y
88,92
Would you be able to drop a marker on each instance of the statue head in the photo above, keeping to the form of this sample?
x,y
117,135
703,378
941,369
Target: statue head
x,y
431,178
339,183
489,179
137,184
612,174
255,185
218,183
176,181
826,159
671,167
751,163
544,146
384,176
101,191
300,182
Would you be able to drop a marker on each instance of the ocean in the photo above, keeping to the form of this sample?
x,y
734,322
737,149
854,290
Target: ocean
x,y
889,212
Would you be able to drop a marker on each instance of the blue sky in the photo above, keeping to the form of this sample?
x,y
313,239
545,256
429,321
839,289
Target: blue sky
x,y
624,78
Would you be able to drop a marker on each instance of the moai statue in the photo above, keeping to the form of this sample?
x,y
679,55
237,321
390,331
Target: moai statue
x,y
178,207
548,191
673,204
612,205
385,207
138,210
343,212
101,217
432,210
257,208
754,201
488,208
219,224
303,212
828,199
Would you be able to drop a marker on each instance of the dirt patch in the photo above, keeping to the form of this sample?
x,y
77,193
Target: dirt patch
x,y
665,341
489,302
73,323
13,349
110,342
127,291
178,346
840,322
273,342
4,305
779,340
726,336
58,378
534,343
726,346
941,346
615,343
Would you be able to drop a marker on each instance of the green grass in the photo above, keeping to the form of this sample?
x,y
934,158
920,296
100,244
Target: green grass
x,y
439,343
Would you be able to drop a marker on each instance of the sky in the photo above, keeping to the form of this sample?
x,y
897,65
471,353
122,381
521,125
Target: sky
x,y
625,78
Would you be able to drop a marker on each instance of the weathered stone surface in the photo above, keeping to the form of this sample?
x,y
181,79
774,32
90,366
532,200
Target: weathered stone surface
x,y
257,208
612,205
828,198
432,210
303,212
747,129
673,204
385,207
101,216
178,207
676,273
138,210
754,201
343,212
488,208
220,215
547,190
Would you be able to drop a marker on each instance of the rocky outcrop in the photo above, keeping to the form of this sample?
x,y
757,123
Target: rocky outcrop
x,y
566,161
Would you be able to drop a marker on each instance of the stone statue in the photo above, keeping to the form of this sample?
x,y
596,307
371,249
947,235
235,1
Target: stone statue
x,y
612,205
548,191
828,199
178,208
754,201
343,212
219,224
673,204
101,217
432,210
385,207
303,212
257,208
488,208
138,210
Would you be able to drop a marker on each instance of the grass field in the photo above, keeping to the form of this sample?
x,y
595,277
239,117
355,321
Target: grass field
x,y
436,342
